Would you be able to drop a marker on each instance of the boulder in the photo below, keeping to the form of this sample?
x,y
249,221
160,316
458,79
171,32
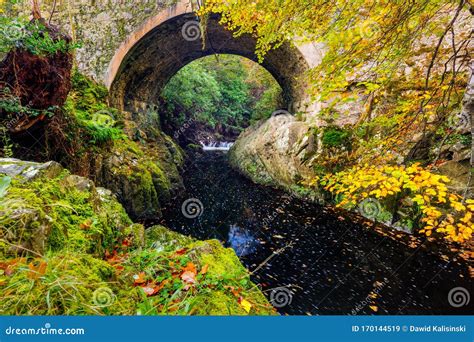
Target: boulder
x,y
43,207
275,152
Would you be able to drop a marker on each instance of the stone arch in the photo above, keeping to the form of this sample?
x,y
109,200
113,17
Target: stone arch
x,y
152,54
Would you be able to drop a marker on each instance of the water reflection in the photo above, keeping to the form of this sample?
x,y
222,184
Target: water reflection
x,y
241,240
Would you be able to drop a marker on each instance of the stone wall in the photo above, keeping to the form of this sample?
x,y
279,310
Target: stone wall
x,y
100,26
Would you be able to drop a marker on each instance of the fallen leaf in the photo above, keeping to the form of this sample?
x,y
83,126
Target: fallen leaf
x,y
245,304
189,277
374,308
37,271
181,251
204,269
139,278
190,267
86,225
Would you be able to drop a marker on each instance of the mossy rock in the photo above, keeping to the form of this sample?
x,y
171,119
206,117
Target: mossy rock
x,y
140,177
68,247
40,214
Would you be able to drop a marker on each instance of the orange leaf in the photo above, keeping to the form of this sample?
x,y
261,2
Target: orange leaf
x,y
204,269
139,278
190,267
37,271
86,225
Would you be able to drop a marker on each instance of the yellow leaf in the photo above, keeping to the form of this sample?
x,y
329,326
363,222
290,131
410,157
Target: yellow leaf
x,y
246,305
374,308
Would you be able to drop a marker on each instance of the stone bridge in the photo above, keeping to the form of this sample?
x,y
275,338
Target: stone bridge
x,y
135,47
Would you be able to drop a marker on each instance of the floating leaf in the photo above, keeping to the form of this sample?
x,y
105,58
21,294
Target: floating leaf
x,y
374,308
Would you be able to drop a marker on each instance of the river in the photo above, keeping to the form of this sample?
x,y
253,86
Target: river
x,y
309,259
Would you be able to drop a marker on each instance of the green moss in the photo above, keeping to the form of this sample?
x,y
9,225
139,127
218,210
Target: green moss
x,y
223,262
47,214
334,136
66,287
87,103
160,237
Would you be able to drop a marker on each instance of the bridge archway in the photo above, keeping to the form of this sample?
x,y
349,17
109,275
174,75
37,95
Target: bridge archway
x,y
165,43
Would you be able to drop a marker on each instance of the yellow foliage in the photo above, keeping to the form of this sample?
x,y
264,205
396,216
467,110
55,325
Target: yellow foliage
x,y
441,211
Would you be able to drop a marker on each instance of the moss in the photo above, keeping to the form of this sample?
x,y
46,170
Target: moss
x,y
46,214
67,286
223,262
91,253
160,237
334,136
87,104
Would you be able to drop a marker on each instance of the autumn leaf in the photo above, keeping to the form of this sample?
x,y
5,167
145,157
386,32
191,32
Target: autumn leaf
x,y
189,277
139,278
181,251
36,271
204,269
86,225
245,304
126,243
190,267
374,308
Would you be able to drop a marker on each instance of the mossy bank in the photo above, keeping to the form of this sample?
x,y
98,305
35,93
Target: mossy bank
x,y
68,247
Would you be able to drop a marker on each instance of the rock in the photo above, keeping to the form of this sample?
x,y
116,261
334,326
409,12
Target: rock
x,y
142,176
29,170
78,182
29,228
458,172
45,208
460,152
275,152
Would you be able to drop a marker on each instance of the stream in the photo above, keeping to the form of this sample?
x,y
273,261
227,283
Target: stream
x,y
308,259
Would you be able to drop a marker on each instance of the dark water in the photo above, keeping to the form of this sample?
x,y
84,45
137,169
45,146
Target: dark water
x,y
309,259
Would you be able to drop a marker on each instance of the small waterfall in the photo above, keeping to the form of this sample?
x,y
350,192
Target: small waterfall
x,y
216,146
